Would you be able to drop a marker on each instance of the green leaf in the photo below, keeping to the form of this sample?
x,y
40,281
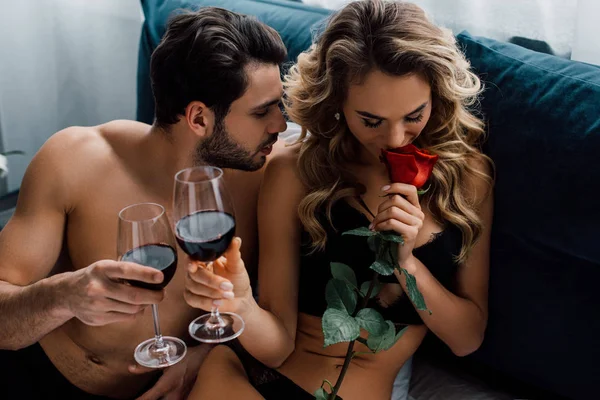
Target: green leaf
x,y
383,341
364,288
340,296
400,333
371,321
383,253
373,242
339,327
344,273
391,237
421,191
325,381
382,268
321,394
396,338
393,253
388,253
413,291
362,231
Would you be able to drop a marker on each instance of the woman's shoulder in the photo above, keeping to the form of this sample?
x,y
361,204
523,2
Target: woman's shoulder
x,y
480,180
281,173
283,162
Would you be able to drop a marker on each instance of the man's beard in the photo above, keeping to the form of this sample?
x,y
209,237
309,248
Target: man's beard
x,y
220,150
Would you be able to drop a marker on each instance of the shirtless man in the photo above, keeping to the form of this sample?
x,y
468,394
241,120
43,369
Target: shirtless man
x,y
70,327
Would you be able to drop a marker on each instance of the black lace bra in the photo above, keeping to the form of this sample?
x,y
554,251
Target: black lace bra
x,y
438,255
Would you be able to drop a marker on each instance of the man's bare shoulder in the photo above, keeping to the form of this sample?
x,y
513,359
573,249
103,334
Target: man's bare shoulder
x,y
81,153
56,169
89,144
63,150
70,138
122,129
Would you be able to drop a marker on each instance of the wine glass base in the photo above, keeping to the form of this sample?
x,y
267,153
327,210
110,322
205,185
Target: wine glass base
x,y
149,355
203,330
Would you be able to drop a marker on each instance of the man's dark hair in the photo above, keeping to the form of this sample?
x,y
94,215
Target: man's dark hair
x,y
202,58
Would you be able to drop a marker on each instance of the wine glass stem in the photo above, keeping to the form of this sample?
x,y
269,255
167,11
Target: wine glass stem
x,y
215,317
157,335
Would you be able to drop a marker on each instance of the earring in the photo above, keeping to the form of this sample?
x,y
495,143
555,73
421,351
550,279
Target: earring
x,y
336,116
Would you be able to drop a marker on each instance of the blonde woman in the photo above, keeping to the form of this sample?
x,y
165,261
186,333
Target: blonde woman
x,y
379,77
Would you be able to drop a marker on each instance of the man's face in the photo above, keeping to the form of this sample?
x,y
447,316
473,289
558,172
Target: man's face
x,y
243,139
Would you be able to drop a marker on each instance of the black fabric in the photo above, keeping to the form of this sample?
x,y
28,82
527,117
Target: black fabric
x,y
28,374
436,370
438,255
268,382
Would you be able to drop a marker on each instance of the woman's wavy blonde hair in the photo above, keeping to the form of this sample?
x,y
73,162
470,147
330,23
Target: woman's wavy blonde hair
x,y
398,39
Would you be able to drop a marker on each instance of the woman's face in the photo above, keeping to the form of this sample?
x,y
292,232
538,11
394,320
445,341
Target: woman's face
x,y
386,112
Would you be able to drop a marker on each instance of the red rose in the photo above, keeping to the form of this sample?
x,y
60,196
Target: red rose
x,y
409,164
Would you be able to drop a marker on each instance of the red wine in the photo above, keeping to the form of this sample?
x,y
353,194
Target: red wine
x,y
158,256
205,235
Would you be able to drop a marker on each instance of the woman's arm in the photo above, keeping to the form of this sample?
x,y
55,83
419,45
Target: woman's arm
x,y
270,326
457,319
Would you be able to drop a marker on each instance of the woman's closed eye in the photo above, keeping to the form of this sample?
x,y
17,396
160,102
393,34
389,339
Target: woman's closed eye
x,y
414,120
371,124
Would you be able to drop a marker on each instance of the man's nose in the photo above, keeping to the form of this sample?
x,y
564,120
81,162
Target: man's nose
x,y
279,123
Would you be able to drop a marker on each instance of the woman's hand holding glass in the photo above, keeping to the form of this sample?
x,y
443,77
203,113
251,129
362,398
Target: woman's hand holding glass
x,y
226,286
205,226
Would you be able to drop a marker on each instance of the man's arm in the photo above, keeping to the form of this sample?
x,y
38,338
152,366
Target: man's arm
x,y
29,246
32,305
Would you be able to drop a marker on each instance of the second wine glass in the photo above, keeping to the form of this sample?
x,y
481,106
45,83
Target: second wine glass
x,y
204,228
145,238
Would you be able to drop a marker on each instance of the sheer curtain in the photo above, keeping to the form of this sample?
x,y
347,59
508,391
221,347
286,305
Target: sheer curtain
x,y
553,21
586,46
63,63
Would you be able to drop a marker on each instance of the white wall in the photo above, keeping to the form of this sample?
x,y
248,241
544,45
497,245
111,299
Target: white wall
x,y
63,63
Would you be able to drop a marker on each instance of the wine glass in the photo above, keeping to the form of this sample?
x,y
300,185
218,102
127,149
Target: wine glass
x,y
145,238
204,228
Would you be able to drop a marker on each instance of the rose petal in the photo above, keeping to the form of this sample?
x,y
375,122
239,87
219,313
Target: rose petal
x,y
409,164
403,167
